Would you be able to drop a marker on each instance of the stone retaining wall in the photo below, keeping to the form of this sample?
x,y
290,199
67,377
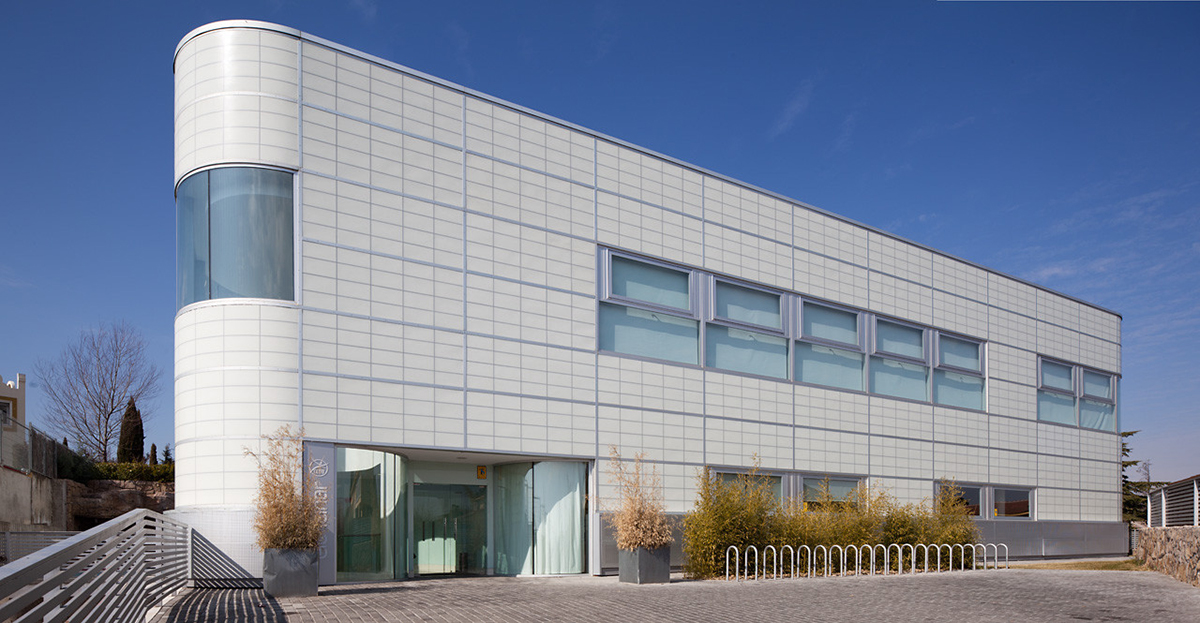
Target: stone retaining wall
x,y
1172,551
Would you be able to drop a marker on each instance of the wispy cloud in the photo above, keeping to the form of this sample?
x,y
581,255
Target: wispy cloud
x,y
794,108
842,143
604,35
461,40
367,8
9,278
934,129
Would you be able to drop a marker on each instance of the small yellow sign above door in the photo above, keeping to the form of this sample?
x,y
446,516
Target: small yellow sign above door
x,y
481,472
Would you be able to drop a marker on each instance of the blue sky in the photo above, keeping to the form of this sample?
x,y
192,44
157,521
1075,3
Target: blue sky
x,y
1058,142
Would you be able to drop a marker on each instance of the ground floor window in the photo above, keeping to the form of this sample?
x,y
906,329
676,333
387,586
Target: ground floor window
x,y
540,517
371,513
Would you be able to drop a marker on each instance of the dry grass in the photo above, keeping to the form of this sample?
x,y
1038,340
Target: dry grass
x,y
639,518
1116,564
286,515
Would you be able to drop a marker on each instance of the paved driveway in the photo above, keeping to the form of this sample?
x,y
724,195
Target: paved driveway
x,y
1005,595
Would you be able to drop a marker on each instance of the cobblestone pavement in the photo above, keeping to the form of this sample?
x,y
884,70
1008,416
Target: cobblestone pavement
x,y
1006,595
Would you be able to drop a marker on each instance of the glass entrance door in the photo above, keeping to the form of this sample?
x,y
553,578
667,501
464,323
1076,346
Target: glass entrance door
x,y
450,528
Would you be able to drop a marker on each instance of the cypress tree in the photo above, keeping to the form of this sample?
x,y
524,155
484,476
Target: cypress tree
x,y
167,458
132,442
153,454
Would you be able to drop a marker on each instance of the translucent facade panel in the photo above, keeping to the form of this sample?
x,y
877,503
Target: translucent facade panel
x,y
559,490
371,516
540,517
748,305
958,353
746,351
650,283
1010,503
514,518
899,339
832,367
1097,415
250,219
191,244
957,390
899,379
1057,376
826,323
1098,385
1056,408
649,334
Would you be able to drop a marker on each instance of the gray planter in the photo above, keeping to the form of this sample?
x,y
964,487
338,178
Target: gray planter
x,y
645,566
290,572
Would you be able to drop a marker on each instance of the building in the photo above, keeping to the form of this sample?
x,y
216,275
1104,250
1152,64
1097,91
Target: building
x,y
1174,504
465,303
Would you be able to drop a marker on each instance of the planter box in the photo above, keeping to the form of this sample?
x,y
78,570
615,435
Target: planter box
x,y
645,566
290,572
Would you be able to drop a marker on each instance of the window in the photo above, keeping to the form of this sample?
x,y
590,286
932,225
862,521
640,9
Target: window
x,y
661,311
1012,503
1074,395
958,379
898,367
1097,405
746,332
235,238
649,312
971,496
774,482
6,413
831,353
839,491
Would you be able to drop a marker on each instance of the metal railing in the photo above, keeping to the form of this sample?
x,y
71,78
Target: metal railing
x,y
114,572
27,449
865,559
14,545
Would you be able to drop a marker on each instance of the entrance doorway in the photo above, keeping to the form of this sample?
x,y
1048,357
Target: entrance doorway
x,y
450,529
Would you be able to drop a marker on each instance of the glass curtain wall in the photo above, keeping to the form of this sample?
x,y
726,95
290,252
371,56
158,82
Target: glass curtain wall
x,y
235,235
540,518
371,515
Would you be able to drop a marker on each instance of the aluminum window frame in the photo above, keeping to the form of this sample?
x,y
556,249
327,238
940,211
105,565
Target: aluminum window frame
x,y
785,299
980,374
607,295
984,493
1030,496
1078,394
925,359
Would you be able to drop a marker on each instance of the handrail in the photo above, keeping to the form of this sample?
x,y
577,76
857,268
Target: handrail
x,y
114,572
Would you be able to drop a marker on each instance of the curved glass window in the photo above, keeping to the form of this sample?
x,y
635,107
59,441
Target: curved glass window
x,y
235,235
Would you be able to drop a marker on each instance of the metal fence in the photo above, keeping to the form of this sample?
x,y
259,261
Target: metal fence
x,y
865,559
14,545
114,572
27,449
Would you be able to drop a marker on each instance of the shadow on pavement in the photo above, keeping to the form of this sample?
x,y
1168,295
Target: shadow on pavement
x,y
203,605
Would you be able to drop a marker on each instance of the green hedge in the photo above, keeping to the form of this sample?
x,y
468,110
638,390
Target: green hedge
x,y
163,472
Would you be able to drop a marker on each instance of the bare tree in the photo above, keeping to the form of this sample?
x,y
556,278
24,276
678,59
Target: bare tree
x,y
91,381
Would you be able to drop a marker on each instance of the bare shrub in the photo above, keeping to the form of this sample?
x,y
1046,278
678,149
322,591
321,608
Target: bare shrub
x,y
639,519
286,514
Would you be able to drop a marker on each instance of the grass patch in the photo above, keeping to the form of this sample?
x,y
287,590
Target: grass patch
x,y
1117,564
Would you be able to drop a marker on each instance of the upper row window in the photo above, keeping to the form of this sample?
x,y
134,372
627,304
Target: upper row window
x,y
1076,396
657,311
234,232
